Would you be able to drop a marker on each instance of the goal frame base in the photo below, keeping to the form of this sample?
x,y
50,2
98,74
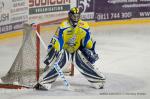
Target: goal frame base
x,y
13,86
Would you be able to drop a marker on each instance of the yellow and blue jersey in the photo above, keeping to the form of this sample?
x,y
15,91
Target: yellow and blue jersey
x,y
71,38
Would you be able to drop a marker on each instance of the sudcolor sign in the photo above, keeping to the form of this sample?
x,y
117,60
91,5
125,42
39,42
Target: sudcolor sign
x,y
47,10
46,6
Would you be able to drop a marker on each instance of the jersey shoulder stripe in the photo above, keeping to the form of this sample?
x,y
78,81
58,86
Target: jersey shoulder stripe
x,y
64,24
83,24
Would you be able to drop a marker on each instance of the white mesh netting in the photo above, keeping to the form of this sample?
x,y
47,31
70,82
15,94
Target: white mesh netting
x,y
23,69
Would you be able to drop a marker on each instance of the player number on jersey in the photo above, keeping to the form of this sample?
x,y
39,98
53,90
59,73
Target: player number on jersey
x,y
53,41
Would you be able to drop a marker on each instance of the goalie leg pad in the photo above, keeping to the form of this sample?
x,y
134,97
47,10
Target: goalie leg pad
x,y
50,75
51,56
88,70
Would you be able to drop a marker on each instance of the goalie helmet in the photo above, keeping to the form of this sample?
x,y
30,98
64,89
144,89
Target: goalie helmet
x,y
74,16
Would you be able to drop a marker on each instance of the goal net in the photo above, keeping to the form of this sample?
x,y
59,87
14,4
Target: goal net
x,y
28,64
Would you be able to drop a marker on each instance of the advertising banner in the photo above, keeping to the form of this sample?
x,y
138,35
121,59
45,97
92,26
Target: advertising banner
x,y
12,14
47,10
121,9
87,9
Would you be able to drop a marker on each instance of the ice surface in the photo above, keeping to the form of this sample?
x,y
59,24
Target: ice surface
x,y
124,59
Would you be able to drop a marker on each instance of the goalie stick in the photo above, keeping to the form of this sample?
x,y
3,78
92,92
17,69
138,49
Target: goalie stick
x,y
61,74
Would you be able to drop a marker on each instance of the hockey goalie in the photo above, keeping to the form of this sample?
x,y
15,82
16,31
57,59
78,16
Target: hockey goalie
x,y
72,42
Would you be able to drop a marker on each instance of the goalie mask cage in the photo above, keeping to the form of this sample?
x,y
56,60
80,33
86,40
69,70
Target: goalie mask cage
x,y
27,66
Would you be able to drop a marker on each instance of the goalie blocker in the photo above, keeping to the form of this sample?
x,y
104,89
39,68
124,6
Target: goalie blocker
x,y
83,60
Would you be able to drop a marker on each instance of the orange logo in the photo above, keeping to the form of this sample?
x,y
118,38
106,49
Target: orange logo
x,y
81,23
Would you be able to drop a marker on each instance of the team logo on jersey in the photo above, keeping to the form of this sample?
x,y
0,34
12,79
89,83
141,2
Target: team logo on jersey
x,y
72,41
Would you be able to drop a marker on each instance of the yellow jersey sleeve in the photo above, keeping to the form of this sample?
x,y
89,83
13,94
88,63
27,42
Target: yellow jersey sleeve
x,y
87,41
57,40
